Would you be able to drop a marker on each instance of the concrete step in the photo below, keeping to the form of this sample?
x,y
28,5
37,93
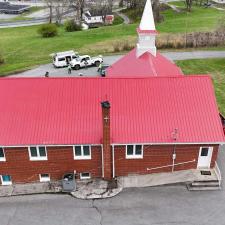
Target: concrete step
x,y
197,188
205,183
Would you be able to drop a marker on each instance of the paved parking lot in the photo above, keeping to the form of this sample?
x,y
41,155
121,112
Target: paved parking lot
x,y
166,205
92,71
63,72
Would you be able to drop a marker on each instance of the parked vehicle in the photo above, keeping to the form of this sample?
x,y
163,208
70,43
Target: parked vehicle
x,y
102,69
86,61
62,59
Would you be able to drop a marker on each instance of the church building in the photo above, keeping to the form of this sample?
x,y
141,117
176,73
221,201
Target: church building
x,y
144,117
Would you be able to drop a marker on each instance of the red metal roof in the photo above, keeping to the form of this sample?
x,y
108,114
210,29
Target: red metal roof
x,y
64,111
146,65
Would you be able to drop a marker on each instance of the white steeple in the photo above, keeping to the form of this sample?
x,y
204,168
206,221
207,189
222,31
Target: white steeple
x,y
146,32
147,20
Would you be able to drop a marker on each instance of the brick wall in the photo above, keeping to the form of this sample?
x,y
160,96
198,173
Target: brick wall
x,y
60,160
158,156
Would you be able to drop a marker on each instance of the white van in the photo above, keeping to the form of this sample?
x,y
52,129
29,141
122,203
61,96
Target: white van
x,y
62,59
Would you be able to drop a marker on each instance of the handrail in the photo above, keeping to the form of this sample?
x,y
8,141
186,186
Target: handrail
x,y
176,164
218,173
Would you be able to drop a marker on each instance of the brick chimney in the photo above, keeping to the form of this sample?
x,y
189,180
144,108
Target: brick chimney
x,y
107,152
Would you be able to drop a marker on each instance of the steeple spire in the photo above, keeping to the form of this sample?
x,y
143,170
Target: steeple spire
x,y
146,32
147,20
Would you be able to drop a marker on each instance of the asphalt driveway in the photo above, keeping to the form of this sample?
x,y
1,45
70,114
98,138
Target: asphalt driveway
x,y
166,205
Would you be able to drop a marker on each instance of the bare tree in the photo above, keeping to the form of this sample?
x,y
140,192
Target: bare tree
x,y
156,11
79,6
49,4
60,7
188,4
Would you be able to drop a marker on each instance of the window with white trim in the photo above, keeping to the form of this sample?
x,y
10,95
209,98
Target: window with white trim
x,y
2,155
85,176
82,152
134,151
6,179
37,153
44,177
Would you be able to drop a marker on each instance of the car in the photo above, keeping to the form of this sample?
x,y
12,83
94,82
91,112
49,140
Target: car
x,y
62,59
86,61
102,69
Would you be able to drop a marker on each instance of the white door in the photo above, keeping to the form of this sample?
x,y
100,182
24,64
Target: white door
x,y
205,156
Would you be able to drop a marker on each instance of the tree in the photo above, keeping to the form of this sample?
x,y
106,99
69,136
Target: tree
x,y
188,4
60,7
49,4
156,11
57,8
79,6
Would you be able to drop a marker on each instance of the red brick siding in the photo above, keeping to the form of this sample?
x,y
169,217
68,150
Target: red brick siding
x,y
158,156
60,160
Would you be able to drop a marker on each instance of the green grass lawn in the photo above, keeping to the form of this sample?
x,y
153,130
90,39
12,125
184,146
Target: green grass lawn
x,y
23,48
214,67
200,19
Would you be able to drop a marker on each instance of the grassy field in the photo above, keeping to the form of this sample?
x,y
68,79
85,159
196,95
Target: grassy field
x,y
214,67
23,48
199,19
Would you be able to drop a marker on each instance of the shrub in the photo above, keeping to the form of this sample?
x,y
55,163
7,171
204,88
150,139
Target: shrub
x,y
1,59
48,30
71,25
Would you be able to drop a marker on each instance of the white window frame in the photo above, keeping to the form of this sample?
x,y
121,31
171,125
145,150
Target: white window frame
x,y
82,156
3,159
44,179
38,157
84,178
134,156
5,183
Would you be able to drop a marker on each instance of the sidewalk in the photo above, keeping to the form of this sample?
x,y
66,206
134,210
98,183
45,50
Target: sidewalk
x,y
32,188
89,189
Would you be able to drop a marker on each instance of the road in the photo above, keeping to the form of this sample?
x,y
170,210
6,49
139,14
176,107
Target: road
x,y
92,71
166,205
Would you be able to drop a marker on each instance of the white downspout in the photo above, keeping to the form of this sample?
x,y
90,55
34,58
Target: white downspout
x,y
113,160
102,162
174,157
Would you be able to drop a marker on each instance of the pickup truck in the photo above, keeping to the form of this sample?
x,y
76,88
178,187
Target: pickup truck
x,y
85,61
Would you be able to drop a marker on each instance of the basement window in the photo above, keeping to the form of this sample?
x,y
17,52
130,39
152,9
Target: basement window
x,y
134,151
44,177
85,176
37,153
6,180
2,155
82,152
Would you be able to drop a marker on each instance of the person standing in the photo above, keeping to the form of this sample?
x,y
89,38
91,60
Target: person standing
x,y
69,69
100,67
